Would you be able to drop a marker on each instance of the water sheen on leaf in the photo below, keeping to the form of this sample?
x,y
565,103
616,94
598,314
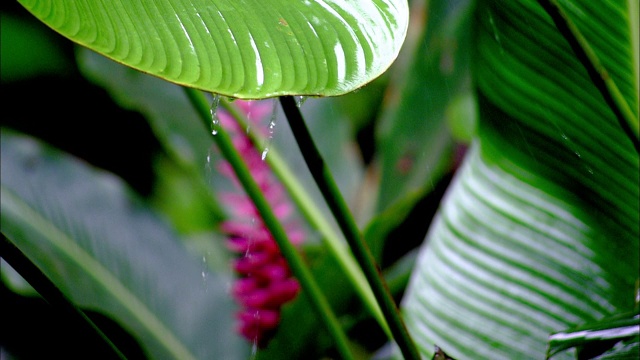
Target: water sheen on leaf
x,y
243,48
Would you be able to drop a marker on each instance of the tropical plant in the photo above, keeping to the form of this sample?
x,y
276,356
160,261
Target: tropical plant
x,y
474,164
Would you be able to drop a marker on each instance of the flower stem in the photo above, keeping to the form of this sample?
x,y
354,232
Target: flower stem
x,y
289,252
339,250
338,206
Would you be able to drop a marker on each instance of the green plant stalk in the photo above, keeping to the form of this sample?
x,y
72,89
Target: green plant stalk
x,y
309,285
327,185
52,295
317,220
598,74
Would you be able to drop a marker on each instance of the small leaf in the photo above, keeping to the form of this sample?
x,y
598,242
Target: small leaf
x,y
612,334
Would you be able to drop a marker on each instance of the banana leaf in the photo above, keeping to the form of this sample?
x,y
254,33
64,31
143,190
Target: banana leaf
x,y
244,49
539,231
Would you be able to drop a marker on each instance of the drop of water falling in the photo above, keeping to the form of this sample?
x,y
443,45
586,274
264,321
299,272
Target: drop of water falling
x,y
271,128
254,346
205,273
300,100
215,120
496,34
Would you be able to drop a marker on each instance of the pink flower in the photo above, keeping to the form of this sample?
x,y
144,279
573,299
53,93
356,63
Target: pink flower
x,y
265,282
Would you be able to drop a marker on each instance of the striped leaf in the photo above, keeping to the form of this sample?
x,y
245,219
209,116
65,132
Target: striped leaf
x,y
243,48
540,231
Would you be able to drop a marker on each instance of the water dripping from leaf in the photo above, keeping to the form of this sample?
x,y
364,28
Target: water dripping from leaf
x,y
300,100
215,120
247,253
205,273
496,35
271,129
254,347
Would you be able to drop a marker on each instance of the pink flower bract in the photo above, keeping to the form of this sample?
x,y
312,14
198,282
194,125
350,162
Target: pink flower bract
x,y
264,282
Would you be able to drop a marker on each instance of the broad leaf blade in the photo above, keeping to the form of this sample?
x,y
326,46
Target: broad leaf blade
x,y
107,252
508,264
540,232
245,49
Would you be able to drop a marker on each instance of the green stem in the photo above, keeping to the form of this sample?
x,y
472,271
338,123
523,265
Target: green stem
x,y
338,206
300,271
318,221
52,295
598,74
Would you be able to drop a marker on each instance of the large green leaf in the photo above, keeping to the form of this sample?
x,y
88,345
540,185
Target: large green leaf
x,y
107,252
245,49
540,230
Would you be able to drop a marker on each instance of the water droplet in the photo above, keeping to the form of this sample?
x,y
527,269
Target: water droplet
x,y
496,34
215,120
300,100
205,273
271,128
254,348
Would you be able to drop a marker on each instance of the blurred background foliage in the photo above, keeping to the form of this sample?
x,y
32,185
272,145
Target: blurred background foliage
x,y
142,130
